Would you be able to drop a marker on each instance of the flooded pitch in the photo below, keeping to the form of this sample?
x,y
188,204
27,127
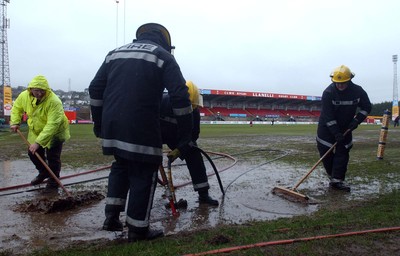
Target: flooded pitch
x,y
248,180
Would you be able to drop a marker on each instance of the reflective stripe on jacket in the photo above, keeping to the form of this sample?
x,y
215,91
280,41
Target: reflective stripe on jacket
x,y
126,95
339,108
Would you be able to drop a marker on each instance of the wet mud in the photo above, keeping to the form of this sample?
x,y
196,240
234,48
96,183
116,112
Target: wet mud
x,y
58,204
247,178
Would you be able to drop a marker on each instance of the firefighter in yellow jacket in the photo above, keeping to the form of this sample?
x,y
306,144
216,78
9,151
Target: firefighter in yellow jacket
x,y
48,127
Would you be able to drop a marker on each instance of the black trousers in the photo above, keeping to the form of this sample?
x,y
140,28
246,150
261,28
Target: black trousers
x,y
335,163
193,157
52,156
140,179
197,170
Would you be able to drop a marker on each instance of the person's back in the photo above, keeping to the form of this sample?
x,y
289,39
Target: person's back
x,y
125,102
135,77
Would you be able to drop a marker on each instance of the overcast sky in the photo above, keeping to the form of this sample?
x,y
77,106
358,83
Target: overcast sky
x,y
285,46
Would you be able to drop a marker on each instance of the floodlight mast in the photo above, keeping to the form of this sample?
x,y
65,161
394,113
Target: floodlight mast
x,y
395,104
5,68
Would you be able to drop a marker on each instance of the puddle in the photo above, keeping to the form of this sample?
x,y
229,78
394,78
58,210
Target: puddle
x,y
248,196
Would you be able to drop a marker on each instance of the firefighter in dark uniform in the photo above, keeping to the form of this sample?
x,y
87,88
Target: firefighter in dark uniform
x,y
126,95
192,156
340,102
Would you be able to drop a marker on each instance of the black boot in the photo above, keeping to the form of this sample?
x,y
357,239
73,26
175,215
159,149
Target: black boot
x,y
112,222
38,179
339,186
204,198
51,186
147,235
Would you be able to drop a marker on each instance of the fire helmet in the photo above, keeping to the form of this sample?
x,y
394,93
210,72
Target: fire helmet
x,y
194,95
148,27
341,74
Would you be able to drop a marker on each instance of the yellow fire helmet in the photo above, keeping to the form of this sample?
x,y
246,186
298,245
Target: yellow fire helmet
x,y
155,26
195,97
341,74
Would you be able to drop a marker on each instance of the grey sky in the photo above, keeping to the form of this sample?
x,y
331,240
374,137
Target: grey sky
x,y
286,46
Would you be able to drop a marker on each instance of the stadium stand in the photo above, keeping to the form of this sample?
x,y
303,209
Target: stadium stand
x,y
254,106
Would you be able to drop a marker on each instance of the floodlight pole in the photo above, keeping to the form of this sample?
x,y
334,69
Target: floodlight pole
x,y
5,68
395,104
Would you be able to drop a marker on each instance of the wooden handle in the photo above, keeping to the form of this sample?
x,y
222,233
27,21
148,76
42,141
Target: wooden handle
x,y
45,165
317,163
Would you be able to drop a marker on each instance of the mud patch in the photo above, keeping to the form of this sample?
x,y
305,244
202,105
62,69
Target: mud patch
x,y
51,205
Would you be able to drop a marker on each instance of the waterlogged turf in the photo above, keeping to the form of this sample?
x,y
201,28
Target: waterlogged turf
x,y
250,165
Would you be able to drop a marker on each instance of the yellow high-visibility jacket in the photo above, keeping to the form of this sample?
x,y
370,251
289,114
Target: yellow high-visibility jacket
x,y
47,121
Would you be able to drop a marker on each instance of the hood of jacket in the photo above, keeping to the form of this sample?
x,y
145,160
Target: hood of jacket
x,y
39,82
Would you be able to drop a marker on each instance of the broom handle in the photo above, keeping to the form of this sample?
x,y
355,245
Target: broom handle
x,y
163,176
168,191
171,184
317,163
45,165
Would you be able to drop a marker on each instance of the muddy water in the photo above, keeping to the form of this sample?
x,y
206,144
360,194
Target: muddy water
x,y
247,185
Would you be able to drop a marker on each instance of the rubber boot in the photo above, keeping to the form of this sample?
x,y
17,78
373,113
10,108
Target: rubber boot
x,y
112,222
51,186
340,186
204,198
38,179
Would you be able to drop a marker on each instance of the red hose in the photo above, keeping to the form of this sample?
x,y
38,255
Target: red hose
x,y
64,177
290,241
109,166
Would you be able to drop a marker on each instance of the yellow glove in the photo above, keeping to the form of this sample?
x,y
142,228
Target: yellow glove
x,y
173,155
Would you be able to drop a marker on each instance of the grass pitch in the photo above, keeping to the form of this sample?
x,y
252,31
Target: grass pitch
x,y
380,210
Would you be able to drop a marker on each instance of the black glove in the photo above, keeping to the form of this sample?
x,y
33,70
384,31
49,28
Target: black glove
x,y
353,124
339,137
97,130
